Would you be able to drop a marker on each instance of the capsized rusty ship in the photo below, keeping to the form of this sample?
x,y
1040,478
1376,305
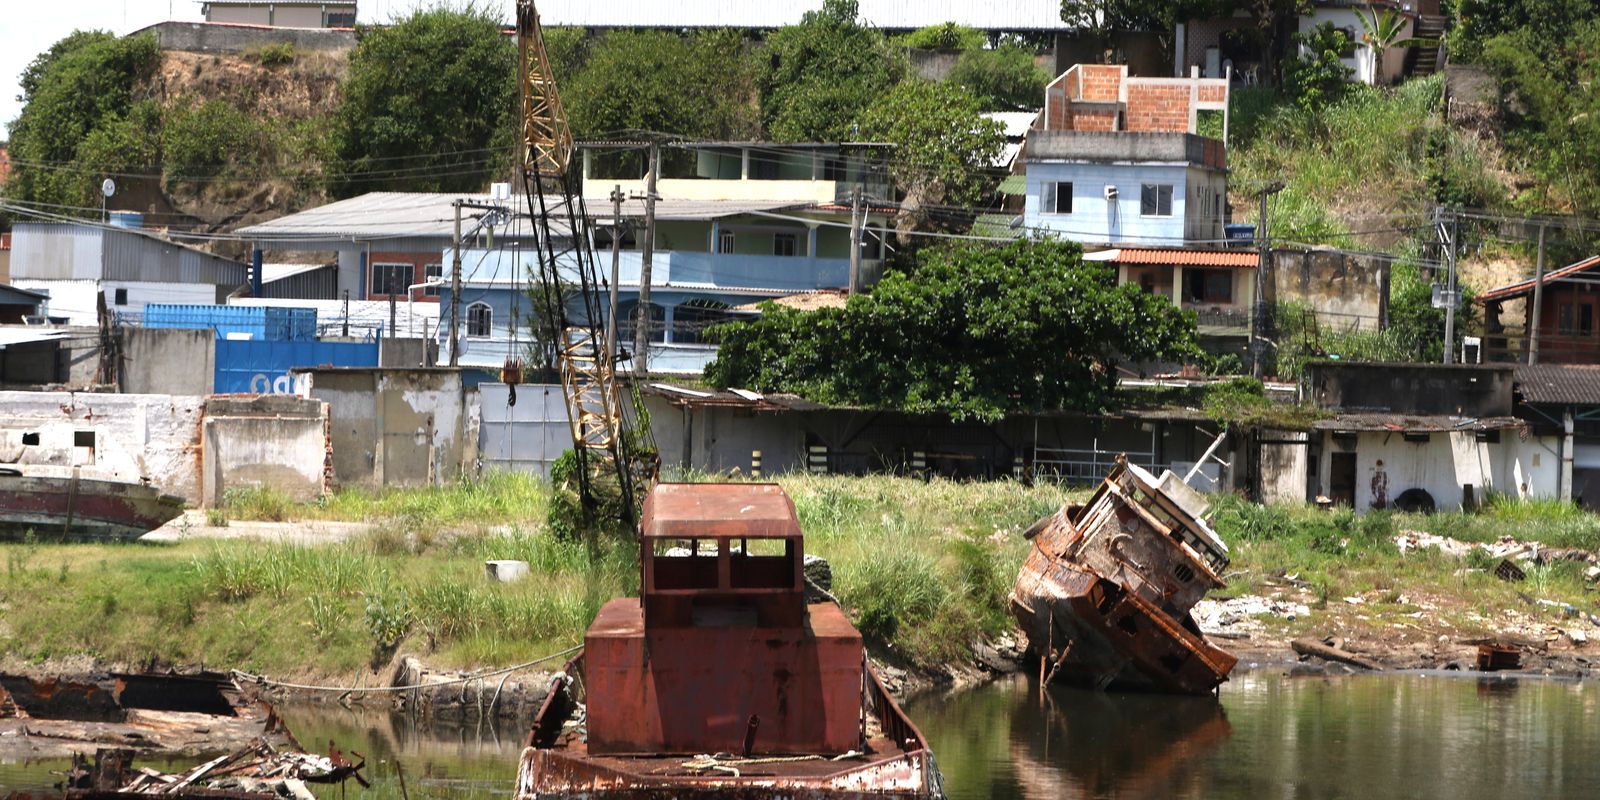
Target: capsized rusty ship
x,y
1106,591
74,508
720,680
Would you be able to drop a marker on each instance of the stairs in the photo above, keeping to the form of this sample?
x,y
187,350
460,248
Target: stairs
x,y
1424,60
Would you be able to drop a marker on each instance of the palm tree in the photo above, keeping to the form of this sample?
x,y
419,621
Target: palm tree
x,y
1381,32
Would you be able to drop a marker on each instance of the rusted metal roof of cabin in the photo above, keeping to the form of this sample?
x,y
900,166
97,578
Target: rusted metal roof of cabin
x,y
707,510
1576,385
1523,287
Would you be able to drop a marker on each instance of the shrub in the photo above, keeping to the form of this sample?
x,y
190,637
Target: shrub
x,y
1317,77
275,54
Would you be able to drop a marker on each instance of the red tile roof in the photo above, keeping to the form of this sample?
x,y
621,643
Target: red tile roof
x,y
1524,287
1185,258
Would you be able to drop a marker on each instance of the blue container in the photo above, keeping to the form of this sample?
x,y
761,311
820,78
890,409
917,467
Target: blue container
x,y
262,367
259,323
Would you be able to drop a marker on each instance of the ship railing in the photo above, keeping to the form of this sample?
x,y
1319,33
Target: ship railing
x,y
1086,466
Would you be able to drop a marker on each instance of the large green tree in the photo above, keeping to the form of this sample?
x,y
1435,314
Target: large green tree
x,y
944,147
1100,17
819,75
701,85
1554,111
429,105
1549,23
83,84
1003,78
975,331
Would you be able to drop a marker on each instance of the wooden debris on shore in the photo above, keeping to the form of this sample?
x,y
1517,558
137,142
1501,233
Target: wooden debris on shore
x,y
1327,652
257,770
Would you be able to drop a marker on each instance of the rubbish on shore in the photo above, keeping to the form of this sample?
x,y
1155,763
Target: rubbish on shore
x,y
1592,574
1240,617
786,704
74,508
1107,593
257,770
1576,636
1510,572
1327,652
170,713
1495,657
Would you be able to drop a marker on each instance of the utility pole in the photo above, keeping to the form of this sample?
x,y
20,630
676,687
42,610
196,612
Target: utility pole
x,y
346,333
1450,294
641,328
616,268
1258,366
455,289
856,220
1533,312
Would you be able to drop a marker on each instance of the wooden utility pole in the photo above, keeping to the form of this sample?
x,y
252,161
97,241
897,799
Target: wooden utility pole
x,y
455,291
1534,310
616,268
857,218
641,328
1258,366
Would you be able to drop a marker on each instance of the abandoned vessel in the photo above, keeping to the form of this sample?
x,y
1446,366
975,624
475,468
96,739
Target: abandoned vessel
x,y
77,508
720,680
1106,591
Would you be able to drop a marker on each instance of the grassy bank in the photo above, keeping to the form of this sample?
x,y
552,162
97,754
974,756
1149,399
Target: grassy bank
x,y
923,566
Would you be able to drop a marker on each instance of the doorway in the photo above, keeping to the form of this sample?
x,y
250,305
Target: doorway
x,y
1342,479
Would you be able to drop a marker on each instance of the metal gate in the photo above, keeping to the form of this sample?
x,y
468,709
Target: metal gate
x,y
526,437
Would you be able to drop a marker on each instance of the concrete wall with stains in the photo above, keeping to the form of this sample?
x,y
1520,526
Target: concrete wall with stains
x,y
1387,464
1347,290
138,438
394,427
274,441
167,361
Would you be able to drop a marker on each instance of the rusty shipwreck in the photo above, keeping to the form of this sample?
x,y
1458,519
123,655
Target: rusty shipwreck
x,y
70,507
720,680
1106,591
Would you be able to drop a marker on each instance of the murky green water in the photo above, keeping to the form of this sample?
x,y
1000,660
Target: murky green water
x,y
1270,736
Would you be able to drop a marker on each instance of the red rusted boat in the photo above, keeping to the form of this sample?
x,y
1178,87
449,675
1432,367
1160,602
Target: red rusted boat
x,y
720,680
1106,592
76,508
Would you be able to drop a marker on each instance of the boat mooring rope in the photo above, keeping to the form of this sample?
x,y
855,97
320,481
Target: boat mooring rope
x,y
265,681
723,762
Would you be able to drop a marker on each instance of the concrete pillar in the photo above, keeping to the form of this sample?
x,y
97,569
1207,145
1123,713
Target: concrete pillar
x,y
744,164
811,240
1566,454
716,236
1177,286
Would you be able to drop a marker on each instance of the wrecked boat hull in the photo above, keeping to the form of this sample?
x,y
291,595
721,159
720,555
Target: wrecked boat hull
x,y
1112,638
556,767
81,509
1106,591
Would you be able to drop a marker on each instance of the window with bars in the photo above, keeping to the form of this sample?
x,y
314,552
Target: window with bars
x,y
480,318
785,244
391,279
725,241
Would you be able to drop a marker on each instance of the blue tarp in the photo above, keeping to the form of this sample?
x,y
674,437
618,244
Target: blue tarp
x,y
263,367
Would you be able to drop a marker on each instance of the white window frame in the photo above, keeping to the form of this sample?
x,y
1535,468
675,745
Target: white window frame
x,y
380,268
488,320
1050,198
1158,188
432,272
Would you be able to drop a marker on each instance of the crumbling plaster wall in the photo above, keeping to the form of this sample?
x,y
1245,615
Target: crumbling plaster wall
x,y
395,427
275,441
137,438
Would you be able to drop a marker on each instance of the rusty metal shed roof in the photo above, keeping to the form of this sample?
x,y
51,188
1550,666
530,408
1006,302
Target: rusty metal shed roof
x,y
1524,287
1571,385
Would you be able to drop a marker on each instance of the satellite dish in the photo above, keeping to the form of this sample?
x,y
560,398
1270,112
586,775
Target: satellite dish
x,y
108,187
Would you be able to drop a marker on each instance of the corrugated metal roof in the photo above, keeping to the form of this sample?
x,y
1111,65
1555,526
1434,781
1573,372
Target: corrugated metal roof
x,y
15,336
1559,385
15,295
379,215
1004,15
1177,257
1016,123
73,251
1526,287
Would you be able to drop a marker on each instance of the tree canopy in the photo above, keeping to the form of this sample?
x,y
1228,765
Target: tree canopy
x,y
701,85
425,101
943,145
975,331
82,84
819,75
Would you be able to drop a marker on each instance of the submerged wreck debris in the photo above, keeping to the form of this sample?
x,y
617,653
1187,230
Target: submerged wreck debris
x,y
257,771
179,714
1106,592
720,680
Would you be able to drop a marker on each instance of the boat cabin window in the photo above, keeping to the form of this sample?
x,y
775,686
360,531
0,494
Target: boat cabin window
x,y
763,564
685,563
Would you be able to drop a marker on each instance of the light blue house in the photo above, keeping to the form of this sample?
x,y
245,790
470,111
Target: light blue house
x,y
711,256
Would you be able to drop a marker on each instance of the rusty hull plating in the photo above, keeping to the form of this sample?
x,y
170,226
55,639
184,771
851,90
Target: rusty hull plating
x,y
720,681
1105,593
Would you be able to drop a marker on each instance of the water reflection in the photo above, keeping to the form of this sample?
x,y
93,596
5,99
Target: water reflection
x,y
1273,736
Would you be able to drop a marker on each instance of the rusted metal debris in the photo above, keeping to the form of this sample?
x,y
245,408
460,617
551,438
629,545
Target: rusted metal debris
x,y
1510,572
77,508
1494,657
194,714
257,771
721,680
1106,592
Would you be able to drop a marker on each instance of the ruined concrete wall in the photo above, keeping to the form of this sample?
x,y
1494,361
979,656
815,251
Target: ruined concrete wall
x,y
1283,467
1347,290
274,441
394,427
202,38
163,361
1471,390
122,437
1388,465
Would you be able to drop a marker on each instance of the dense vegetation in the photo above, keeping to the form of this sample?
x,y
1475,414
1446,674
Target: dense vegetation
x,y
974,331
